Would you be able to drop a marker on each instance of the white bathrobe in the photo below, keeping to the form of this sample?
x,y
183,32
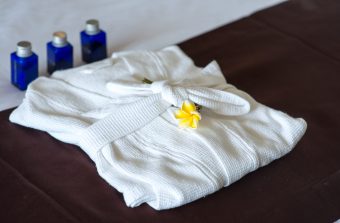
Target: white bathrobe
x,y
129,130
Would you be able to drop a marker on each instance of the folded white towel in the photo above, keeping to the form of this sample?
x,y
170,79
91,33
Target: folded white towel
x,y
128,128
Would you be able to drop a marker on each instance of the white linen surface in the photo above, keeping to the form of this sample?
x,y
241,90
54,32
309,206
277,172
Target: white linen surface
x,y
140,24
128,128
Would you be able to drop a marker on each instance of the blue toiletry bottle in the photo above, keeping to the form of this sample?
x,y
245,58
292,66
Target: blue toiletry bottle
x,y
93,42
24,65
59,53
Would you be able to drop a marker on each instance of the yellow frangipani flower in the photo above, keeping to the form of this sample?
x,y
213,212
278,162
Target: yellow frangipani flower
x,y
188,115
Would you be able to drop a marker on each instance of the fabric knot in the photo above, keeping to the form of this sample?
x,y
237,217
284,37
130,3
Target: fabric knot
x,y
158,86
219,101
172,94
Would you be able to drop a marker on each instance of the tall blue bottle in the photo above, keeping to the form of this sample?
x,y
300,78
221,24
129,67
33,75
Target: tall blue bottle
x,y
59,53
24,65
93,42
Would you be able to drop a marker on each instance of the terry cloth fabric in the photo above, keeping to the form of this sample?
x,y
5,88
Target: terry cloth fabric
x,y
128,128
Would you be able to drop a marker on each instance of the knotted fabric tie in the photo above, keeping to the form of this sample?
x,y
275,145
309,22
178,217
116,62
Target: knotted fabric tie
x,y
221,102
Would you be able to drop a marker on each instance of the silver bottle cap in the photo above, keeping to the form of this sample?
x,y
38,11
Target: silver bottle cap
x,y
92,27
24,49
59,39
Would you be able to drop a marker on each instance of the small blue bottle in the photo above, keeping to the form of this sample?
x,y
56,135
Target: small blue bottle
x,y
24,65
93,42
59,53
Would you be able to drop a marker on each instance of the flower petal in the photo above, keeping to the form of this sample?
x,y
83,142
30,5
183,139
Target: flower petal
x,y
188,106
179,114
186,122
196,115
194,123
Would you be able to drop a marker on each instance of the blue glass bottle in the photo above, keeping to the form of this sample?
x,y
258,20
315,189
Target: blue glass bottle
x,y
59,53
24,65
93,42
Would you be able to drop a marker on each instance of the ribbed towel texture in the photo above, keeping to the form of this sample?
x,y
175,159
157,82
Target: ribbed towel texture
x,y
128,127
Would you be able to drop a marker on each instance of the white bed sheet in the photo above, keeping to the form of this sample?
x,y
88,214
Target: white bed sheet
x,y
134,24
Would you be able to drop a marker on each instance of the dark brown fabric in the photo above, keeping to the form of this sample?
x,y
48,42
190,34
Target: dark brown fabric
x,y
287,57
